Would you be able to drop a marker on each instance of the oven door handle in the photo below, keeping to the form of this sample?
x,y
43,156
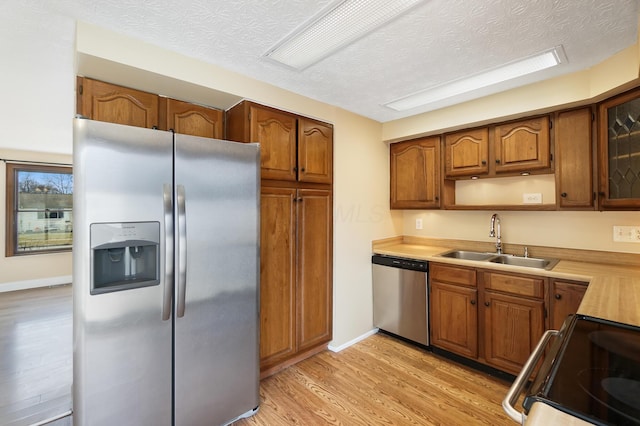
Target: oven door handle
x,y
522,379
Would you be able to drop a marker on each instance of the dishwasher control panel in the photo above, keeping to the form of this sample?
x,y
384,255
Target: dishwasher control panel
x,y
397,262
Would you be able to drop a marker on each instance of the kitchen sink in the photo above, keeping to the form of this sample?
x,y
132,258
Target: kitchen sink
x,y
505,259
528,262
468,255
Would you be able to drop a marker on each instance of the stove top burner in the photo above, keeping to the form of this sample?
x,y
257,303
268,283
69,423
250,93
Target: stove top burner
x,y
619,396
624,390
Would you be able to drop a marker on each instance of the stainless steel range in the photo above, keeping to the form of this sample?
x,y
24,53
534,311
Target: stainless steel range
x,y
592,372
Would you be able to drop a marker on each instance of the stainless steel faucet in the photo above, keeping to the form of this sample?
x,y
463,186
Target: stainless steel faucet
x,y
495,232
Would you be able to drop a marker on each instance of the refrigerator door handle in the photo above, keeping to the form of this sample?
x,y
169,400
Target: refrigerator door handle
x,y
182,251
167,297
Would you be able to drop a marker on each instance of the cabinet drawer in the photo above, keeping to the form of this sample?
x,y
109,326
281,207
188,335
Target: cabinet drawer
x,y
453,274
515,284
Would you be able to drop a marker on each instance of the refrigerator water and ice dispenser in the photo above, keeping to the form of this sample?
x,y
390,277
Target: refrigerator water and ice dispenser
x,y
124,256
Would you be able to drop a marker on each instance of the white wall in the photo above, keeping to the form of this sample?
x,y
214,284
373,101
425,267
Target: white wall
x,y
37,107
569,229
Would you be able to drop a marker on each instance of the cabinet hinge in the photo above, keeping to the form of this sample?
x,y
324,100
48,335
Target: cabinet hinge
x,y
80,89
594,195
550,157
593,116
545,312
249,116
551,124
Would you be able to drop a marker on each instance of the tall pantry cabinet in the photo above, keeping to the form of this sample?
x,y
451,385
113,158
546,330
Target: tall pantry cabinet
x,y
296,230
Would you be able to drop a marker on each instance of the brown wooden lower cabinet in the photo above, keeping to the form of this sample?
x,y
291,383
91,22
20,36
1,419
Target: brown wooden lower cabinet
x,y
513,326
454,318
565,297
295,275
494,318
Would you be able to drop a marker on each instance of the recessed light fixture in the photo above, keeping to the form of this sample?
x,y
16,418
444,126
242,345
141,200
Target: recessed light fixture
x,y
335,27
510,71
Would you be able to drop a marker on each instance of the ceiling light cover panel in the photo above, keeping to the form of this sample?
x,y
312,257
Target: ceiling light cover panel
x,y
334,28
507,72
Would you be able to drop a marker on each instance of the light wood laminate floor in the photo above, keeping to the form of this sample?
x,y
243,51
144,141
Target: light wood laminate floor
x,y
378,381
35,354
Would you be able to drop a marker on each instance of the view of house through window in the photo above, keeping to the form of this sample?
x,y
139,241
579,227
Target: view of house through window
x,y
39,208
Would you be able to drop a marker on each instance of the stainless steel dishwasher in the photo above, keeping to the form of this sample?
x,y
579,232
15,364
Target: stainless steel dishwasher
x,y
400,297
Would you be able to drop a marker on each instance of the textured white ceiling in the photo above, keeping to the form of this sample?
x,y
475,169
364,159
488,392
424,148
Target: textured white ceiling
x,y
436,42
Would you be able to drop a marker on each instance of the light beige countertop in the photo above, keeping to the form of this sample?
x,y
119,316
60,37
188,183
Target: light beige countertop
x,y
613,292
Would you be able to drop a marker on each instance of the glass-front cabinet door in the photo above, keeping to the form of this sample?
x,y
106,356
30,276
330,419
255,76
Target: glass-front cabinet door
x,y
619,151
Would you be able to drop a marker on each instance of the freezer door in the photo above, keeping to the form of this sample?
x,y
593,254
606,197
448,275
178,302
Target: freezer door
x,y
216,323
122,346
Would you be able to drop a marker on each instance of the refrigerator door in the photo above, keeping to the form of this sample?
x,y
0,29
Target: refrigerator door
x,y
122,346
216,322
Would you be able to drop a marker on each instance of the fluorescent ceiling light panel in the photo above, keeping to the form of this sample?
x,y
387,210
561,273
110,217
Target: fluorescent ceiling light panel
x,y
510,71
334,28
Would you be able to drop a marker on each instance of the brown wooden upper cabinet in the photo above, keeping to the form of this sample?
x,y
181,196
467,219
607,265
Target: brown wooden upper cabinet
x,y
574,159
467,153
522,146
191,119
293,148
102,101
415,174
619,151
510,148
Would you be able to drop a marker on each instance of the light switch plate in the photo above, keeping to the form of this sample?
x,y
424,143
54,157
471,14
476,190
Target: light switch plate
x,y
626,234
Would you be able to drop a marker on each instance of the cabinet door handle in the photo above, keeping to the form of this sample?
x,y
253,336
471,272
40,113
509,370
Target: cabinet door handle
x,y
558,296
486,303
473,302
484,162
295,169
497,161
563,195
302,170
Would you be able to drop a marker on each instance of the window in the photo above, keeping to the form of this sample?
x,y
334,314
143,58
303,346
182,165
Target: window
x,y
39,209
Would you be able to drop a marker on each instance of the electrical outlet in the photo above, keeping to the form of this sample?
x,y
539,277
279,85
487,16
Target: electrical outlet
x,y
532,198
418,223
626,234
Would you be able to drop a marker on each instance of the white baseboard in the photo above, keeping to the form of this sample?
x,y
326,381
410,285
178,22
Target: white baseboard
x,y
352,342
27,284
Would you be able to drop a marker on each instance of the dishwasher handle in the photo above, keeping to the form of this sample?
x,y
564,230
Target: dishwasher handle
x,y
520,382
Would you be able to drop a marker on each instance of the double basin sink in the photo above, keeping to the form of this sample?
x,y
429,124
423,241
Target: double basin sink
x,y
505,259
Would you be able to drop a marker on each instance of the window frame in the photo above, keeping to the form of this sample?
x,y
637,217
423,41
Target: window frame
x,y
11,208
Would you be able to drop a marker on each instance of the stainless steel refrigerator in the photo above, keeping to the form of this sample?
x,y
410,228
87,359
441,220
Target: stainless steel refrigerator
x,y
165,277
